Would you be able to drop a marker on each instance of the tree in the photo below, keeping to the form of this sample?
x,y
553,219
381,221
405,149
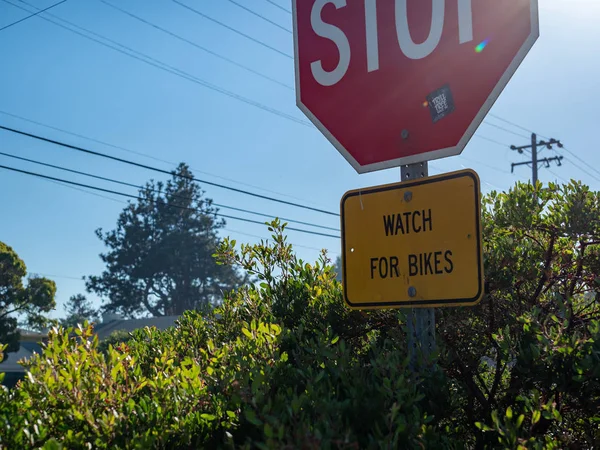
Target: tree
x,y
29,302
160,259
79,309
533,344
338,268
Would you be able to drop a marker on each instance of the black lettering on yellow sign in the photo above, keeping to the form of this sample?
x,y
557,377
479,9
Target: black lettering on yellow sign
x,y
421,264
386,267
430,263
408,222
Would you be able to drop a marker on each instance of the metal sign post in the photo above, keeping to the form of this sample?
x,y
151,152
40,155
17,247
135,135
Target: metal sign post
x,y
420,321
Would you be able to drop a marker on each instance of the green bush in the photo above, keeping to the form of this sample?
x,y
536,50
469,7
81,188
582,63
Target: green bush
x,y
283,363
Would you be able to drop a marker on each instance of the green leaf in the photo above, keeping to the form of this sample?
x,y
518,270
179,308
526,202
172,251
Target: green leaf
x,y
247,333
251,417
536,416
208,417
509,413
52,444
335,339
268,431
520,420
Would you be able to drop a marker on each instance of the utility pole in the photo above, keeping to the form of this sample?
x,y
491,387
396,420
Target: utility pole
x,y
535,161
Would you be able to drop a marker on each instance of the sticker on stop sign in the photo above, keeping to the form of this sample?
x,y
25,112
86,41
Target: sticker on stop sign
x,y
394,82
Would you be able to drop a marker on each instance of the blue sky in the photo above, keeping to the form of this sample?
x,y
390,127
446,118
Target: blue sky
x,y
55,77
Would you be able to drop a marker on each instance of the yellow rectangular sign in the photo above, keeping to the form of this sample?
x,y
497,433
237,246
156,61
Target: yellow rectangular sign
x,y
414,243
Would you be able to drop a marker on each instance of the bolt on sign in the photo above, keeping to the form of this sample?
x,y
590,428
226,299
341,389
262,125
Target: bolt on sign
x,y
414,243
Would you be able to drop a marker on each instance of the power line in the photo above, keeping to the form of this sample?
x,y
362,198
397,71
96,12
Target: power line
x,y
87,138
574,155
124,183
145,155
85,191
194,44
595,177
486,165
243,233
54,276
31,15
168,68
557,176
491,140
260,16
156,169
225,228
95,194
109,191
235,30
515,125
505,129
279,6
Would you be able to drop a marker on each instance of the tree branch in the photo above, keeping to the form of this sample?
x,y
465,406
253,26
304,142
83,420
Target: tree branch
x,y
154,311
6,313
499,372
583,246
468,379
544,278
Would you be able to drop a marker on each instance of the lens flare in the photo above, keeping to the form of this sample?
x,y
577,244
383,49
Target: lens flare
x,y
481,46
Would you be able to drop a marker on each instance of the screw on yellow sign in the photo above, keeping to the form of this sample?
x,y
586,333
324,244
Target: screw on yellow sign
x,y
414,243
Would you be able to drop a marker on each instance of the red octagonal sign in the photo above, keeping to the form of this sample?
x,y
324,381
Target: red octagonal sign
x,y
393,82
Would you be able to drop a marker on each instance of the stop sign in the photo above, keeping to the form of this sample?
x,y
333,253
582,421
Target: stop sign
x,y
393,82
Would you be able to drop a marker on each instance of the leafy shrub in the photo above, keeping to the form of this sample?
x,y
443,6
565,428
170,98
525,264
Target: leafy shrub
x,y
284,364
113,339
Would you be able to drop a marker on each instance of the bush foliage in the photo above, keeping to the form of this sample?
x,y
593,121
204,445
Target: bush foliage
x,y
283,363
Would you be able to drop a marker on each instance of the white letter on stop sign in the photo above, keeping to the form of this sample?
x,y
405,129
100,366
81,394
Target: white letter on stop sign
x,y
334,34
407,44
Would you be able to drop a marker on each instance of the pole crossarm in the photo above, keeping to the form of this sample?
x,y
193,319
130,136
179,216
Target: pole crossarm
x,y
535,161
545,161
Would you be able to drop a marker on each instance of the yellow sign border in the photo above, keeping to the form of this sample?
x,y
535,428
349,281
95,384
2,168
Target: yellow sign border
x,y
419,303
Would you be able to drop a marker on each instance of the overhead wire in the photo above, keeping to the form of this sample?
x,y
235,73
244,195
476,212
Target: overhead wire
x,y
487,165
254,13
505,129
46,275
163,171
495,116
233,29
243,233
574,155
123,194
31,15
145,155
595,177
95,194
196,45
557,176
133,185
279,6
491,140
166,67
